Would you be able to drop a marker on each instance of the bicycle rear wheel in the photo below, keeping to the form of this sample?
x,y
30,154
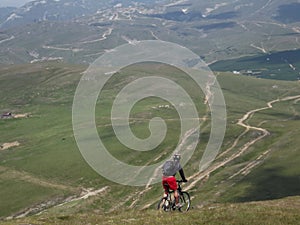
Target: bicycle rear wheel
x,y
185,201
164,204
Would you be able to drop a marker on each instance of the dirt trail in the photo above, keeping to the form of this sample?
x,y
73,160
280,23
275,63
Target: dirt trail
x,y
78,193
260,48
135,195
104,36
5,146
204,175
247,169
158,170
40,208
25,115
7,39
9,173
85,194
241,122
208,96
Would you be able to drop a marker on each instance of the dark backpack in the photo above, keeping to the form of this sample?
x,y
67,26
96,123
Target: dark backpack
x,y
169,168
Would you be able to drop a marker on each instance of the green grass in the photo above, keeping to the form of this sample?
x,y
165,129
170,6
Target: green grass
x,y
19,195
279,212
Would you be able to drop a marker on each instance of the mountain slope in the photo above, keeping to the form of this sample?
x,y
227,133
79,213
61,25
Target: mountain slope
x,y
279,65
214,30
258,154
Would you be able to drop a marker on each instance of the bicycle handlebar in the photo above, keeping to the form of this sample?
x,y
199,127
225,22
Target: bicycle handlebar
x,y
180,181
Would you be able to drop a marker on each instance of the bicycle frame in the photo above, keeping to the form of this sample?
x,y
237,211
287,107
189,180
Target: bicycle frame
x,y
168,203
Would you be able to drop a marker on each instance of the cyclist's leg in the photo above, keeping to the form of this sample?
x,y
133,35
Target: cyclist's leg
x,y
164,203
176,196
173,186
166,186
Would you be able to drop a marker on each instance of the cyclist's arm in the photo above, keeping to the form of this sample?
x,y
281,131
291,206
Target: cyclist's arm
x,y
182,175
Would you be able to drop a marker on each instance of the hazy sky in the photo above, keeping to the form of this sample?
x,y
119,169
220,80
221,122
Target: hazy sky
x,y
4,3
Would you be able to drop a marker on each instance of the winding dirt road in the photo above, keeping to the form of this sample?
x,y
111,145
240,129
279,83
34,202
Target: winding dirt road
x,y
241,122
204,175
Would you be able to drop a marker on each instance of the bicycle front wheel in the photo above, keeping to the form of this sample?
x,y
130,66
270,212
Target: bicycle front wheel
x,y
185,201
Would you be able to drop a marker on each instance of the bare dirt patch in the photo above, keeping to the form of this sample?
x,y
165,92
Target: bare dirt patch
x,y
25,115
10,115
9,145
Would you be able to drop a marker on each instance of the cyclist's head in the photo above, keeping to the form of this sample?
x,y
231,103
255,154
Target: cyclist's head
x,y
176,157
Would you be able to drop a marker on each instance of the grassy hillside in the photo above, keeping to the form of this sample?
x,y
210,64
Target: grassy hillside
x,y
276,65
47,168
284,211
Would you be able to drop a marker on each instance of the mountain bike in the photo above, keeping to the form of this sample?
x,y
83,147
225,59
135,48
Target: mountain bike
x,y
168,203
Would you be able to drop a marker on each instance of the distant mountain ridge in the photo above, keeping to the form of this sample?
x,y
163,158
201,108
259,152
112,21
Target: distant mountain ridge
x,y
64,10
180,10
52,10
79,31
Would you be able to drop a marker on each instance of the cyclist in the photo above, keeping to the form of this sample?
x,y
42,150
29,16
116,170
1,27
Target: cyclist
x,y
170,168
